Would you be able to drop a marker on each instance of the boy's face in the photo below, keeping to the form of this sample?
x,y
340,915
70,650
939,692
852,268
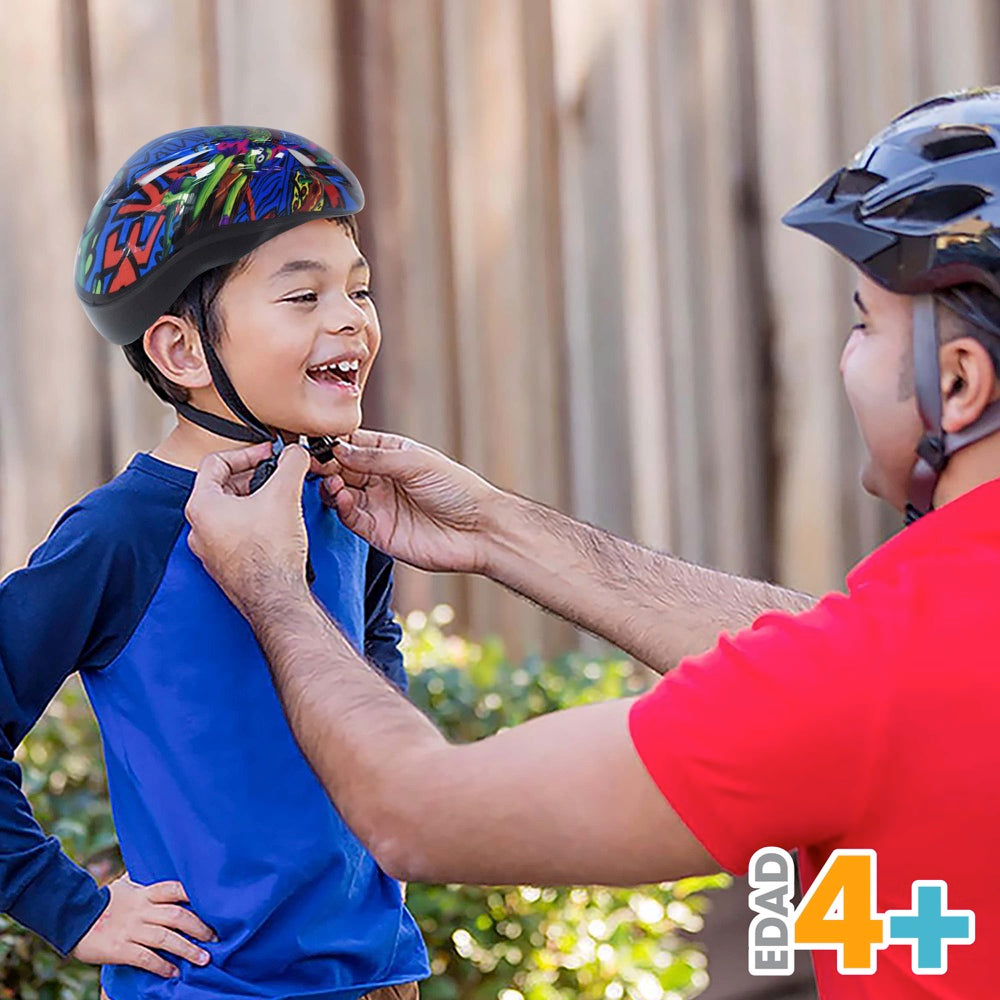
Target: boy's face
x,y
301,304
877,368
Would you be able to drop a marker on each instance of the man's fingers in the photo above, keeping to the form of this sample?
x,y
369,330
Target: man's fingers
x,y
224,464
350,508
167,892
164,939
372,461
239,485
333,484
142,958
378,439
293,464
325,468
224,472
356,480
346,505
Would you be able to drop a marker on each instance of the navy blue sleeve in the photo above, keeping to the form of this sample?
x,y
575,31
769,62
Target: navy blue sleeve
x,y
382,631
61,613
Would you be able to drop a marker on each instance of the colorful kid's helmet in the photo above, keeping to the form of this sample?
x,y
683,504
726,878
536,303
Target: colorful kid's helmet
x,y
190,201
918,210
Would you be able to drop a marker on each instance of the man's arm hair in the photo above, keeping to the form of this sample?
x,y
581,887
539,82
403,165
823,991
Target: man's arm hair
x,y
656,607
563,799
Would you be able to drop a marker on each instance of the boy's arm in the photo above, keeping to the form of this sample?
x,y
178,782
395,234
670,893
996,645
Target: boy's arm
x,y
74,607
40,886
46,617
382,632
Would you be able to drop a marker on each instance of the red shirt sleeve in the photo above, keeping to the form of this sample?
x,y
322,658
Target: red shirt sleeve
x,y
772,737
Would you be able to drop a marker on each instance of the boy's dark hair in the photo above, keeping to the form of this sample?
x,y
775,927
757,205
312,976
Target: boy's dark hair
x,y
198,304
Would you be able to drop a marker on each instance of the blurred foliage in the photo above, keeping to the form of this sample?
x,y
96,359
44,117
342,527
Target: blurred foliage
x,y
63,776
503,943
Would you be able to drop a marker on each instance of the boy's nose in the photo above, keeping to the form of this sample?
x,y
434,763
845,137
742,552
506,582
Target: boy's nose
x,y
345,317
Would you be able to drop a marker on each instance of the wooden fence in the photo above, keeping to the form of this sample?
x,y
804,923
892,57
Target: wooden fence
x,y
573,204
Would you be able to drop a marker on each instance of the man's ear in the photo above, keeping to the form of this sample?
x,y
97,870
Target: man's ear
x,y
968,382
174,346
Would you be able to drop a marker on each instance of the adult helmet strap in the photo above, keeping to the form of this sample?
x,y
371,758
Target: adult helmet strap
x,y
935,447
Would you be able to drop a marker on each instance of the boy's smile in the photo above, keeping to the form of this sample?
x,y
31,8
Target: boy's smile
x,y
337,373
301,330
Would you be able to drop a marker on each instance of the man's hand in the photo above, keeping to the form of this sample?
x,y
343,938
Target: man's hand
x,y
411,501
249,542
141,920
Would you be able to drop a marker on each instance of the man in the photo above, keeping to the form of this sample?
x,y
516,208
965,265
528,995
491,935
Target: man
x,y
859,724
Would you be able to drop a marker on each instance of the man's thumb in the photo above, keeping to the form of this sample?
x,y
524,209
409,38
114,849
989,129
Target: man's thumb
x,y
380,461
293,464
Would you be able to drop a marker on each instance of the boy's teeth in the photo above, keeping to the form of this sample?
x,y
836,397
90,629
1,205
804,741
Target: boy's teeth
x,y
344,366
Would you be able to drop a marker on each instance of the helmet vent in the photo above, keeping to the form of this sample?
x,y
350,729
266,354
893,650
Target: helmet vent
x,y
944,143
855,182
938,205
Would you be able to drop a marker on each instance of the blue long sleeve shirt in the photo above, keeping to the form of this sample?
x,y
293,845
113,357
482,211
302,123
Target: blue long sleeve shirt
x,y
207,784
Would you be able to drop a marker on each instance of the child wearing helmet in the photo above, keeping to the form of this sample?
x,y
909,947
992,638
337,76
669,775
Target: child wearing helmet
x,y
225,262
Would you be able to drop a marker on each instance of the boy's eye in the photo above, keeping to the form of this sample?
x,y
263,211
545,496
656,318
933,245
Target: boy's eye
x,y
364,293
304,297
859,326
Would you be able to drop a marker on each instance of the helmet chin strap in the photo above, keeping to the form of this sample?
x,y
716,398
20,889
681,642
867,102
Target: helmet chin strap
x,y
935,447
250,430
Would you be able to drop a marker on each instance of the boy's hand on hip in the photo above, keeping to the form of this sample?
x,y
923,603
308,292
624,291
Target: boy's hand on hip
x,y
410,501
141,920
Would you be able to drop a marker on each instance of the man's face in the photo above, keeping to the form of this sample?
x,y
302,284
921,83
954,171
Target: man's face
x,y
877,368
300,305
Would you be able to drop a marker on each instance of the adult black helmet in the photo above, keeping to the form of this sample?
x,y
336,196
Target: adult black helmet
x,y
919,207
190,201
918,210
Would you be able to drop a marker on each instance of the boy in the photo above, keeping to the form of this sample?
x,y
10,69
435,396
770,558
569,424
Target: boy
x,y
218,258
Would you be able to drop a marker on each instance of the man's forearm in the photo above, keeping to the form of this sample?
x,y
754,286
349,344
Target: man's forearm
x,y
364,740
654,606
539,803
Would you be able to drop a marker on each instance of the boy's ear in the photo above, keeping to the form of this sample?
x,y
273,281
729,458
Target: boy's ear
x,y
173,345
968,382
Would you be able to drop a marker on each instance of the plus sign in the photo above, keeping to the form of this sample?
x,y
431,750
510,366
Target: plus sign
x,y
931,926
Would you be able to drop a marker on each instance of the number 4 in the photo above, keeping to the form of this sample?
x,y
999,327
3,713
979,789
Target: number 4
x,y
839,912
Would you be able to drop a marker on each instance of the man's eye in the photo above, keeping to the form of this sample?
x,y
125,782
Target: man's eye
x,y
304,297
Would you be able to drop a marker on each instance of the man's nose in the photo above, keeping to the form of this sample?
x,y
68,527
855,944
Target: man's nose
x,y
848,347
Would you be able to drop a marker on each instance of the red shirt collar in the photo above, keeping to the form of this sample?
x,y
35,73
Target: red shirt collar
x,y
972,518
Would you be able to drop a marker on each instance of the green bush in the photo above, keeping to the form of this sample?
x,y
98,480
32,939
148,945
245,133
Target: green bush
x,y
485,944
64,778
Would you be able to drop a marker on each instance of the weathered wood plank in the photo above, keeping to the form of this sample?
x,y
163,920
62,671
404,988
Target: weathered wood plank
x,y
164,37
563,219
795,95
395,138
51,448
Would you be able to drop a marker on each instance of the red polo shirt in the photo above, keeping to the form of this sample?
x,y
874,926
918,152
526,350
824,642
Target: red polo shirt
x,y
866,722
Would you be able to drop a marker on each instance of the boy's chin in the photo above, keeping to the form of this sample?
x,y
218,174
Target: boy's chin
x,y
339,428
